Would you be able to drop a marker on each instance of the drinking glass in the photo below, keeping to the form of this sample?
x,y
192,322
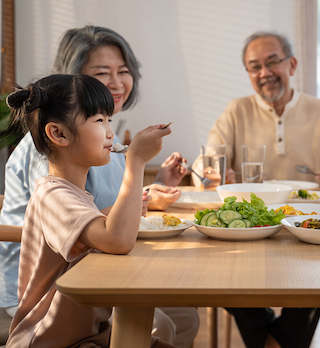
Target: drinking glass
x,y
215,156
252,167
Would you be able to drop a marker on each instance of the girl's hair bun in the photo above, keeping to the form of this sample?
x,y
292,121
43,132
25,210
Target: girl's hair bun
x,y
16,99
30,98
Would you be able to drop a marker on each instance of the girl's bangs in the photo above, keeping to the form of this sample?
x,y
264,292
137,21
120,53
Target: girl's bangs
x,y
94,97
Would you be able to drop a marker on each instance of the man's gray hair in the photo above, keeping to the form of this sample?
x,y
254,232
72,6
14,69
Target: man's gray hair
x,y
283,40
76,45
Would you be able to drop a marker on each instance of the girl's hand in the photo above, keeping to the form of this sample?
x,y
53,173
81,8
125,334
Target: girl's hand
x,y
147,143
145,202
171,171
162,196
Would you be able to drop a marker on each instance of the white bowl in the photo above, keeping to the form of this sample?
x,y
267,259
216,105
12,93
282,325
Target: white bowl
x,y
269,193
307,235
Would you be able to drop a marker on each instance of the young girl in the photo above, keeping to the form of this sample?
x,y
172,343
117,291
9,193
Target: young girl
x,y
68,117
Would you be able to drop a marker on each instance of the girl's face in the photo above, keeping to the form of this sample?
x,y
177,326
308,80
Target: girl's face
x,y
93,141
106,64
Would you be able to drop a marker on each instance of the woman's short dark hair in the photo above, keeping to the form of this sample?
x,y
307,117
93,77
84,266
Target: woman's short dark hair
x,y
76,45
284,42
58,98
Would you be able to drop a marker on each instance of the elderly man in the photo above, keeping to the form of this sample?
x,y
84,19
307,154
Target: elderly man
x,y
278,116
288,123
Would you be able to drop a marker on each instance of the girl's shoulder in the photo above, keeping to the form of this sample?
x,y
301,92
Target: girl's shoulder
x,y
62,190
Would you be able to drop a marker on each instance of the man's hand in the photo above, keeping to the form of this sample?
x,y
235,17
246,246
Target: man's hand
x,y
230,176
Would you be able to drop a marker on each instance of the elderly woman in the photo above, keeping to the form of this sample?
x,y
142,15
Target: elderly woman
x,y
105,55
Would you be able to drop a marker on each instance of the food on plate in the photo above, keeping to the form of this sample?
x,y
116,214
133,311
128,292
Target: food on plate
x,y
289,210
303,194
243,214
171,220
309,223
164,222
118,147
199,197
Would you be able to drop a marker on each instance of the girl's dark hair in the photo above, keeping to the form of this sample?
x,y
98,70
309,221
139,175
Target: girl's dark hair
x,y
58,98
76,44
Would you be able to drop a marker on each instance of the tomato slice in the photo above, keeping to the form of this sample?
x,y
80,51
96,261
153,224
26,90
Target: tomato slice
x,y
266,225
306,224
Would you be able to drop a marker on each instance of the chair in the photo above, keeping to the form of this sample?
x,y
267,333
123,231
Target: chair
x,y
8,233
312,328
212,325
1,200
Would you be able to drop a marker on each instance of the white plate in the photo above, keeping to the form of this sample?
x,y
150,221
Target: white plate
x,y
296,185
307,235
302,200
153,234
198,200
239,234
306,208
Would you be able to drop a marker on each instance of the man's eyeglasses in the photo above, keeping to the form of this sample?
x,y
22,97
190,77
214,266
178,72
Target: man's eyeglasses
x,y
269,65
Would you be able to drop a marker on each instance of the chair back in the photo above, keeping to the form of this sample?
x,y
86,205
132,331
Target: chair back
x,y
9,233
1,201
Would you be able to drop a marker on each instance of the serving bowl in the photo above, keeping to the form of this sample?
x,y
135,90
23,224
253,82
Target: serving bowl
x,y
269,193
307,235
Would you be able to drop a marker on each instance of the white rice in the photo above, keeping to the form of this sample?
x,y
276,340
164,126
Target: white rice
x,y
296,186
118,147
199,197
157,223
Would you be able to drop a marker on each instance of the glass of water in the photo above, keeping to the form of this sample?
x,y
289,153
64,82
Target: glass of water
x,y
252,167
214,156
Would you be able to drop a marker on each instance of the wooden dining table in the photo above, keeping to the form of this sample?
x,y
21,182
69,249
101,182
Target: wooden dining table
x,y
192,269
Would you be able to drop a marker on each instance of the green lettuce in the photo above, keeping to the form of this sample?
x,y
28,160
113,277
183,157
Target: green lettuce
x,y
256,211
200,213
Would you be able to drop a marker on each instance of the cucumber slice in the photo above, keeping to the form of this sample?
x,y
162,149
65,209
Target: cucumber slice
x,y
248,223
204,218
211,218
237,223
228,215
218,223
218,212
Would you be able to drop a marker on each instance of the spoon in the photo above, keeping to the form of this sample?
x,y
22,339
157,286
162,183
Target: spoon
x,y
205,181
118,148
304,170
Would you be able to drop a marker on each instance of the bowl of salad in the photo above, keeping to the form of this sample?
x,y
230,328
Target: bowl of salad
x,y
239,220
269,193
304,227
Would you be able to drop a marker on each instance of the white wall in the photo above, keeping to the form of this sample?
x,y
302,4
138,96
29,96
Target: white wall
x,y
190,53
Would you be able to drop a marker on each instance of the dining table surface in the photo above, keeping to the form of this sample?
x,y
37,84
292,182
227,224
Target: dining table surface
x,y
193,270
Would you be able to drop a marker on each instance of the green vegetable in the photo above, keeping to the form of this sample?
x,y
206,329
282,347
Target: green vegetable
x,y
254,213
205,217
200,214
248,223
303,194
212,219
228,215
237,223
